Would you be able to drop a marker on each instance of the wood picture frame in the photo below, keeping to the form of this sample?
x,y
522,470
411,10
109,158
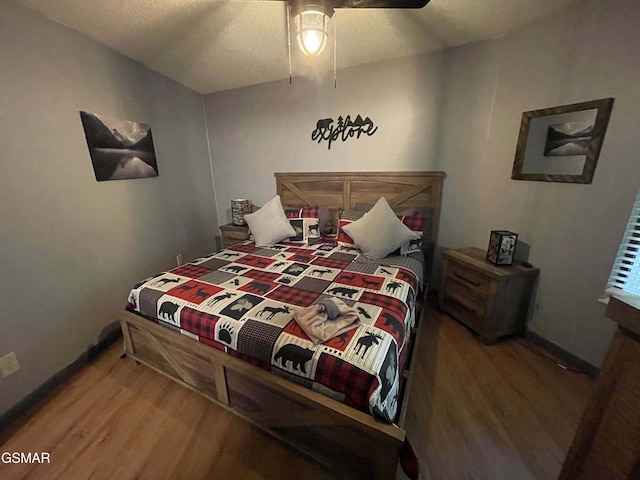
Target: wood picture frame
x,y
561,144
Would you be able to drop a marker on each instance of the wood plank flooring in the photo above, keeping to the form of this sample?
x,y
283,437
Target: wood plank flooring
x,y
475,412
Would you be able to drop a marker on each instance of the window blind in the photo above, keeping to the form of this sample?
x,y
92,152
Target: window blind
x,y
625,274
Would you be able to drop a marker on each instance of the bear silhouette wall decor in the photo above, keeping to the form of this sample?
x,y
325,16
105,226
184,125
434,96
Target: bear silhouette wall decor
x,y
343,129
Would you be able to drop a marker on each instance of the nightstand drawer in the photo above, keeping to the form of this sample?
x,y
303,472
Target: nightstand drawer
x,y
231,234
459,308
228,241
464,282
236,236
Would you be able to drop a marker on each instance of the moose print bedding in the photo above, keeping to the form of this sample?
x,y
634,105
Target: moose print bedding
x,y
242,301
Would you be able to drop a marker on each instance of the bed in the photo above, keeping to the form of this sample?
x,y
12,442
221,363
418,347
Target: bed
x,y
275,378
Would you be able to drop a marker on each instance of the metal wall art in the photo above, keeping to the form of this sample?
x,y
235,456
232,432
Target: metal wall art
x,y
343,129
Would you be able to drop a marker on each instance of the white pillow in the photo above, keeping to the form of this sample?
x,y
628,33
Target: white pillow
x,y
269,225
379,232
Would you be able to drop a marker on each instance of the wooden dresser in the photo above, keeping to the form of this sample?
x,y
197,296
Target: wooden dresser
x,y
231,234
492,301
607,443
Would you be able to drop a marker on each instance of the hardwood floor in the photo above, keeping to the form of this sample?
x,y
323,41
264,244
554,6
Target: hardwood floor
x,y
476,412
491,412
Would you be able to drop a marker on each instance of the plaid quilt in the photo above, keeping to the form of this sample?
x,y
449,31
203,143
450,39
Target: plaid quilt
x,y
242,301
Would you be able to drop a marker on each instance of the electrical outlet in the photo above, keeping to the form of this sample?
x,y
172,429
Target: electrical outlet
x,y
179,259
9,364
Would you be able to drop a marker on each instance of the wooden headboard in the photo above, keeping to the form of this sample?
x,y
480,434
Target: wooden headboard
x,y
346,189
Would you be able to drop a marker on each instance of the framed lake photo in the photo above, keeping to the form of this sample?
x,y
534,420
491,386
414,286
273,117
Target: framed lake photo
x,y
562,144
119,149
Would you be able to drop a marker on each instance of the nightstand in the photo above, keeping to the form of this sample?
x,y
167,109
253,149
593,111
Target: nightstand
x,y
492,301
231,234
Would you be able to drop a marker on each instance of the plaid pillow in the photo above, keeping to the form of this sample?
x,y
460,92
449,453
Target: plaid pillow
x,y
347,217
416,222
305,221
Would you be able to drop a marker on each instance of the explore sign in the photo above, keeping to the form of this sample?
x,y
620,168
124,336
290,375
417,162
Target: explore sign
x,y
344,129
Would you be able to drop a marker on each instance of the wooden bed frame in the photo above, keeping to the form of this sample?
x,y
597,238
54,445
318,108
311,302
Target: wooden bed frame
x,y
350,442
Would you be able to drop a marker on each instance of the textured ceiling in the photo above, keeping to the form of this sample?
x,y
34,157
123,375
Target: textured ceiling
x,y
214,45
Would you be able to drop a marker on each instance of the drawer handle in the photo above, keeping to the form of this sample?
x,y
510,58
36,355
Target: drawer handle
x,y
471,282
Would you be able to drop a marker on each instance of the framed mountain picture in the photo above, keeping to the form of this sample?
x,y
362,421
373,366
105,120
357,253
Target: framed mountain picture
x,y
119,149
561,144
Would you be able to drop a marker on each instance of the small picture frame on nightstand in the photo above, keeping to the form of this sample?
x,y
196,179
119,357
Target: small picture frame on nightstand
x,y
502,247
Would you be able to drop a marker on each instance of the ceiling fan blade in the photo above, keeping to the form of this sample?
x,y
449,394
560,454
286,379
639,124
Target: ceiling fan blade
x,y
368,3
379,3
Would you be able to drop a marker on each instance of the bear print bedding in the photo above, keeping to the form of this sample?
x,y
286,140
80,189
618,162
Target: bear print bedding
x,y
242,301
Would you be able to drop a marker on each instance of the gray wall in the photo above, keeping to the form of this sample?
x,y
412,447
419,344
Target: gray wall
x,y
70,247
259,130
574,230
460,112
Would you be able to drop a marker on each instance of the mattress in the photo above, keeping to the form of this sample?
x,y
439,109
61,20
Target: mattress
x,y
242,301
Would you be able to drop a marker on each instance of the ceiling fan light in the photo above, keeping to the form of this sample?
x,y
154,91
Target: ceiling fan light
x,y
312,42
312,27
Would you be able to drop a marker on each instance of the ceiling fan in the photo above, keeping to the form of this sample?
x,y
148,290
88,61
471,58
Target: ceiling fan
x,y
311,18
